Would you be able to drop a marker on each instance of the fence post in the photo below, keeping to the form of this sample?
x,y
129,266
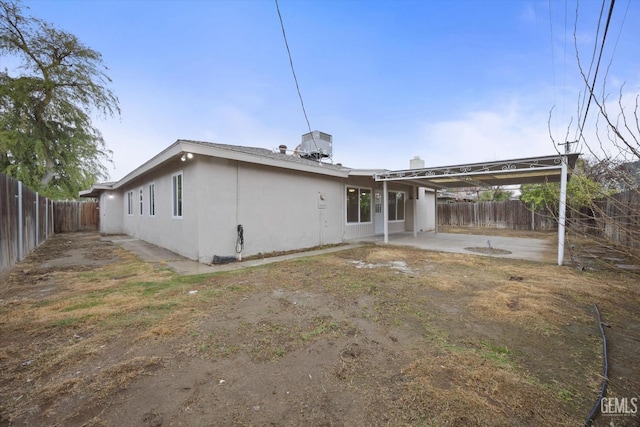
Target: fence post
x,y
46,218
533,217
19,196
475,214
37,233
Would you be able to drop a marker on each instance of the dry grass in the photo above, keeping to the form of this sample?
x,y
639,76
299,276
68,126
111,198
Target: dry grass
x,y
474,340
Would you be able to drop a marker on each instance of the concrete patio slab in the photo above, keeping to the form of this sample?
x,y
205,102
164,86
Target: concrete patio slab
x,y
542,250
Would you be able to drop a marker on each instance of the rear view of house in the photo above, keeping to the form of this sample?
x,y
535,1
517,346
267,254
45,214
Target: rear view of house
x,y
194,197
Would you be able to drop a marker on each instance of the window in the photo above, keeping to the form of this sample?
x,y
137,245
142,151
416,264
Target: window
x,y
130,203
152,200
141,192
358,205
396,206
176,194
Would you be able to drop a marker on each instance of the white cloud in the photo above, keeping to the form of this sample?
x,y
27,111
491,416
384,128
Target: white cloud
x,y
478,136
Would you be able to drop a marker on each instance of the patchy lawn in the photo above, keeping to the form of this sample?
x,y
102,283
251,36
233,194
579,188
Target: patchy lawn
x,y
377,335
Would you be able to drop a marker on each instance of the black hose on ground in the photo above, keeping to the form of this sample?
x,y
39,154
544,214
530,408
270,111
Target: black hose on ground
x,y
605,373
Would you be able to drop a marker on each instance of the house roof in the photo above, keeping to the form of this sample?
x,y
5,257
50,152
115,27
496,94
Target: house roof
x,y
255,155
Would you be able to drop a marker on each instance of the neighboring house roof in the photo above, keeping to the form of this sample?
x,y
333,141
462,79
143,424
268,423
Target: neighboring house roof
x,y
255,155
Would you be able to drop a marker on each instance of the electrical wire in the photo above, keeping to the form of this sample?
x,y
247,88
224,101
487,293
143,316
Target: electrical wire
x,y
293,71
595,75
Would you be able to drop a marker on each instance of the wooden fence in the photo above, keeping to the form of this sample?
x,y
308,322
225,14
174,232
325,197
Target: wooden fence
x,y
75,216
28,219
616,218
512,214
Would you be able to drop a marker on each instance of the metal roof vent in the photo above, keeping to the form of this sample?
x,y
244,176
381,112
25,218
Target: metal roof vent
x,y
315,145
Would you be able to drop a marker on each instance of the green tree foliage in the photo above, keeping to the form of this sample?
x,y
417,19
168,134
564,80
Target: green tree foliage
x,y
496,194
582,190
47,139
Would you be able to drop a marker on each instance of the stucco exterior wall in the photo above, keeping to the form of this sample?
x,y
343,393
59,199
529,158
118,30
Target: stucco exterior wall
x,y
279,209
425,210
176,234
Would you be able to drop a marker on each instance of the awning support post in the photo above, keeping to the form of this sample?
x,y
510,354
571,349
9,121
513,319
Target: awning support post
x,y
385,211
414,190
562,210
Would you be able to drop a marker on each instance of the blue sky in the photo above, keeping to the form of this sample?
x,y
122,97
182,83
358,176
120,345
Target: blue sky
x,y
450,81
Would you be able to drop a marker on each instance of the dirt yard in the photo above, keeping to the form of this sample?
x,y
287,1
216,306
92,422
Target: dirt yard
x,y
93,336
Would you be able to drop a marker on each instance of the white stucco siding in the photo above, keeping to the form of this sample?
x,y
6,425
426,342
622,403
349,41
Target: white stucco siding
x,y
284,210
176,234
278,209
217,207
427,218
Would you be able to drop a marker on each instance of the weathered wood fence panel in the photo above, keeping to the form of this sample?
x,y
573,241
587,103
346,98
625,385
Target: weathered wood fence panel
x,y
512,214
616,218
8,222
75,216
25,221
623,227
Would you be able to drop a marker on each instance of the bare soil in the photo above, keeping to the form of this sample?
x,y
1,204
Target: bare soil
x,y
378,335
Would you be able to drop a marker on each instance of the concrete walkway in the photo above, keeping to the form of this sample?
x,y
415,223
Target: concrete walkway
x,y
186,267
519,248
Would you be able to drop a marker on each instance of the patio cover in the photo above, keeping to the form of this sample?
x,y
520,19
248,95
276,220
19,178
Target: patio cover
x,y
532,170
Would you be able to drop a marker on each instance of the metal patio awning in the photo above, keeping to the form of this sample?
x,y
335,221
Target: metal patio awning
x,y
532,170
487,174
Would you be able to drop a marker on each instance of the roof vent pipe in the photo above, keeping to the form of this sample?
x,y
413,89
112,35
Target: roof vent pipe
x,y
282,148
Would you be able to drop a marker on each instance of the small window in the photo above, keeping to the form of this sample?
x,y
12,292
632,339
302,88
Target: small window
x,y
141,193
152,200
358,205
130,203
176,196
396,205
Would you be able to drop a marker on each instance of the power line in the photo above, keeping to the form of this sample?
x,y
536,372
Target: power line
x,y
295,78
595,75
553,55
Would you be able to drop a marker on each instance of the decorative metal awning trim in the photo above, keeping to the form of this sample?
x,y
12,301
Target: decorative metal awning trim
x,y
507,172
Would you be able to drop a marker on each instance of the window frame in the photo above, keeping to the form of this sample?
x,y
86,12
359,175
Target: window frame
x,y
141,200
130,203
359,191
177,195
152,199
404,205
